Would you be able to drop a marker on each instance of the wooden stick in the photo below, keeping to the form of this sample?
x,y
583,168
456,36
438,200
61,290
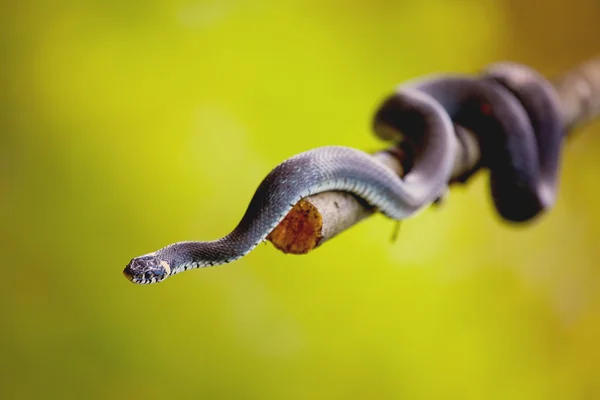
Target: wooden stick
x,y
318,218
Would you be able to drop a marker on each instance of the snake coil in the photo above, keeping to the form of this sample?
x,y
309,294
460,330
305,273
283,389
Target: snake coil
x,y
513,111
515,114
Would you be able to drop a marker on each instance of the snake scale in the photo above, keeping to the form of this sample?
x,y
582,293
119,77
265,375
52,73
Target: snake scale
x,y
513,110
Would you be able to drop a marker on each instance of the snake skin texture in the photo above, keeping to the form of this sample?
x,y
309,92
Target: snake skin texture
x,y
513,111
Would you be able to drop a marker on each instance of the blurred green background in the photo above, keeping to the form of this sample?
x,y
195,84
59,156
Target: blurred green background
x,y
127,125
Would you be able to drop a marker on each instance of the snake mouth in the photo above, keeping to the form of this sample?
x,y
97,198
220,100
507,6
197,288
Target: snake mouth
x,y
128,274
145,279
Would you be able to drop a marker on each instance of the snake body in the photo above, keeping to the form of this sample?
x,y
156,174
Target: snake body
x,y
513,110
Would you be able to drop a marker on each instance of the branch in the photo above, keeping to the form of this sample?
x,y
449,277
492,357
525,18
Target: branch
x,y
318,218
579,92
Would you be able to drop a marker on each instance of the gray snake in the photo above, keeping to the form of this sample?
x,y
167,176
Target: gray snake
x,y
513,110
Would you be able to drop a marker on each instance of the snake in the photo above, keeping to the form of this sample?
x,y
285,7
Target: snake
x,y
512,109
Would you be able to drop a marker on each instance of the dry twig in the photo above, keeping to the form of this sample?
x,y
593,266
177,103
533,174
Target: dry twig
x,y
318,218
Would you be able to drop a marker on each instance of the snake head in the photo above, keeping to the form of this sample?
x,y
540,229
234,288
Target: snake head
x,y
147,269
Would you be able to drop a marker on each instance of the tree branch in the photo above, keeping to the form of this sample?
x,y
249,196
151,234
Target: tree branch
x,y
579,92
318,218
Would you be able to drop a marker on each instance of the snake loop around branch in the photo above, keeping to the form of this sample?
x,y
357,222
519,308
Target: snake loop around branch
x,y
513,110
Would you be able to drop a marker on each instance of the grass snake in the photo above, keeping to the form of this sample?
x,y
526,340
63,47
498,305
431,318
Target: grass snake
x,y
513,110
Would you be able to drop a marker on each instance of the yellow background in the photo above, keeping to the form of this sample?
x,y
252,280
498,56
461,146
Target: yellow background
x,y
127,125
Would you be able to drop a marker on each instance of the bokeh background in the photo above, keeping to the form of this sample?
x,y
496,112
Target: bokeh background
x,y
129,125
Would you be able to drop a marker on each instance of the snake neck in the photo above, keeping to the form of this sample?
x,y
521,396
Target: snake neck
x,y
183,256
